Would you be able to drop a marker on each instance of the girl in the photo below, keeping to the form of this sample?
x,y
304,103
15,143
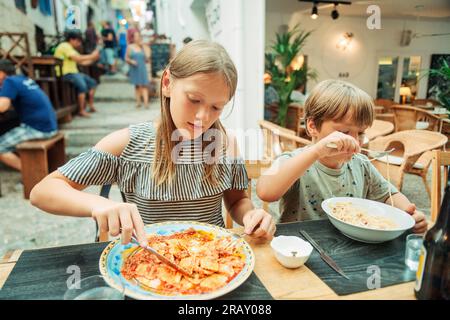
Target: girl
x,y
163,179
137,56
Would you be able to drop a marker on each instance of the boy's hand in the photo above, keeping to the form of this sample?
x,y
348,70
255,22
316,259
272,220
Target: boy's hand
x,y
120,218
345,144
421,223
259,217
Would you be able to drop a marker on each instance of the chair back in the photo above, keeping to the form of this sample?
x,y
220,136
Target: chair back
x,y
294,116
410,144
384,103
407,118
424,102
440,159
278,139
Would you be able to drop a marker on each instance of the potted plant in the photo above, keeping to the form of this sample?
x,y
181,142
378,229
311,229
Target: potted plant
x,y
285,65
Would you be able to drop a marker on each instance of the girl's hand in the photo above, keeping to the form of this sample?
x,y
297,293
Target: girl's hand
x,y
120,216
259,224
421,225
345,144
133,62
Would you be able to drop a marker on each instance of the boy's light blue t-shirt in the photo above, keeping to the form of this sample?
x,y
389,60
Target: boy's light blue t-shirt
x,y
357,178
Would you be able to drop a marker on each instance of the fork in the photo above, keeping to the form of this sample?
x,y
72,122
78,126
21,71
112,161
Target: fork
x,y
374,154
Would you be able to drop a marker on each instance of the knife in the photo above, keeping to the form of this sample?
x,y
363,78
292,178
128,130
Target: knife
x,y
323,255
161,258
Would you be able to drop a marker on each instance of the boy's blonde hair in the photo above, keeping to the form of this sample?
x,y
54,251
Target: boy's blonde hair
x,y
200,56
334,99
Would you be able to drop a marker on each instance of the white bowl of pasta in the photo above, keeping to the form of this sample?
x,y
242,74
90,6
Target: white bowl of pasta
x,y
366,220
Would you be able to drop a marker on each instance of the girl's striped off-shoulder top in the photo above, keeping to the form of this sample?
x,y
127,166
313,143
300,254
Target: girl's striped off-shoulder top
x,y
188,197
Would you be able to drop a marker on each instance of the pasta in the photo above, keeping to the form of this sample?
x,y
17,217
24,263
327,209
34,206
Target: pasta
x,y
208,259
347,212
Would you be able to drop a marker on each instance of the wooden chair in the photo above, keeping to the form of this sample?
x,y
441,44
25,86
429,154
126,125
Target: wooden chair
x,y
383,111
440,158
294,117
278,139
411,154
39,158
410,118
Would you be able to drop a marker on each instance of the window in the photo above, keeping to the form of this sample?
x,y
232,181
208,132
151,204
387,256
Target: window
x,y
387,77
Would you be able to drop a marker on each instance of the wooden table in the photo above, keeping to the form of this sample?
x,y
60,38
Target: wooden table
x,y
379,128
281,283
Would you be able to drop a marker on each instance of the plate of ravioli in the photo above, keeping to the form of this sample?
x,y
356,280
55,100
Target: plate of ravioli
x,y
215,263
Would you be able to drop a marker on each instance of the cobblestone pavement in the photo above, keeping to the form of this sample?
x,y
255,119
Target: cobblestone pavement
x,y
26,227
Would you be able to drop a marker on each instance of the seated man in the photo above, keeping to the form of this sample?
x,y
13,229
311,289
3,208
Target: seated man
x,y
82,82
37,118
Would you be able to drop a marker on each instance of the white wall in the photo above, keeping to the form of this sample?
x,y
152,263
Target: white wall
x,y
361,61
239,26
179,19
240,29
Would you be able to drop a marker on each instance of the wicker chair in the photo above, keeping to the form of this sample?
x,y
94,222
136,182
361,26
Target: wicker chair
x,y
424,102
386,113
412,154
278,139
409,118
384,102
440,158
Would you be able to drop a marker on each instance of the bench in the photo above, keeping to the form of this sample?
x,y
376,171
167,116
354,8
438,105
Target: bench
x,y
39,158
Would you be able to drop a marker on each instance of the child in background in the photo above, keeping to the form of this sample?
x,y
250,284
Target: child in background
x,y
335,112
160,182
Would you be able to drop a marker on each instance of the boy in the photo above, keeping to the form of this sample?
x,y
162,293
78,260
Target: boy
x,y
335,112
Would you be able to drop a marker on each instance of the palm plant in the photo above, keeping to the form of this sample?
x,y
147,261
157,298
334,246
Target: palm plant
x,y
442,90
284,64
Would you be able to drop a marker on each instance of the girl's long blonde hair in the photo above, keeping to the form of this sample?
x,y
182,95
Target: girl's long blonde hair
x,y
200,56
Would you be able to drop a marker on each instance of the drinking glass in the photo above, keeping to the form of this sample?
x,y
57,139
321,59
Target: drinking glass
x,y
412,252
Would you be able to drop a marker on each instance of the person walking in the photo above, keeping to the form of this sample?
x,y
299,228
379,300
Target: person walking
x,y
137,57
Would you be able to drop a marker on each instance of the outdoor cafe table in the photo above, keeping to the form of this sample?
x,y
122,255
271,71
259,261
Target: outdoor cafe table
x,y
280,282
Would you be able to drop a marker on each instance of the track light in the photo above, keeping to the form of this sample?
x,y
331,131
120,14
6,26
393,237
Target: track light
x,y
314,13
335,13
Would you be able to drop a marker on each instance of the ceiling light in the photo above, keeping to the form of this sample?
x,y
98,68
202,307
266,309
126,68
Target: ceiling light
x,y
335,13
314,13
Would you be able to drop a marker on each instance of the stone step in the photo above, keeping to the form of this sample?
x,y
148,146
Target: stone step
x,y
117,78
113,99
